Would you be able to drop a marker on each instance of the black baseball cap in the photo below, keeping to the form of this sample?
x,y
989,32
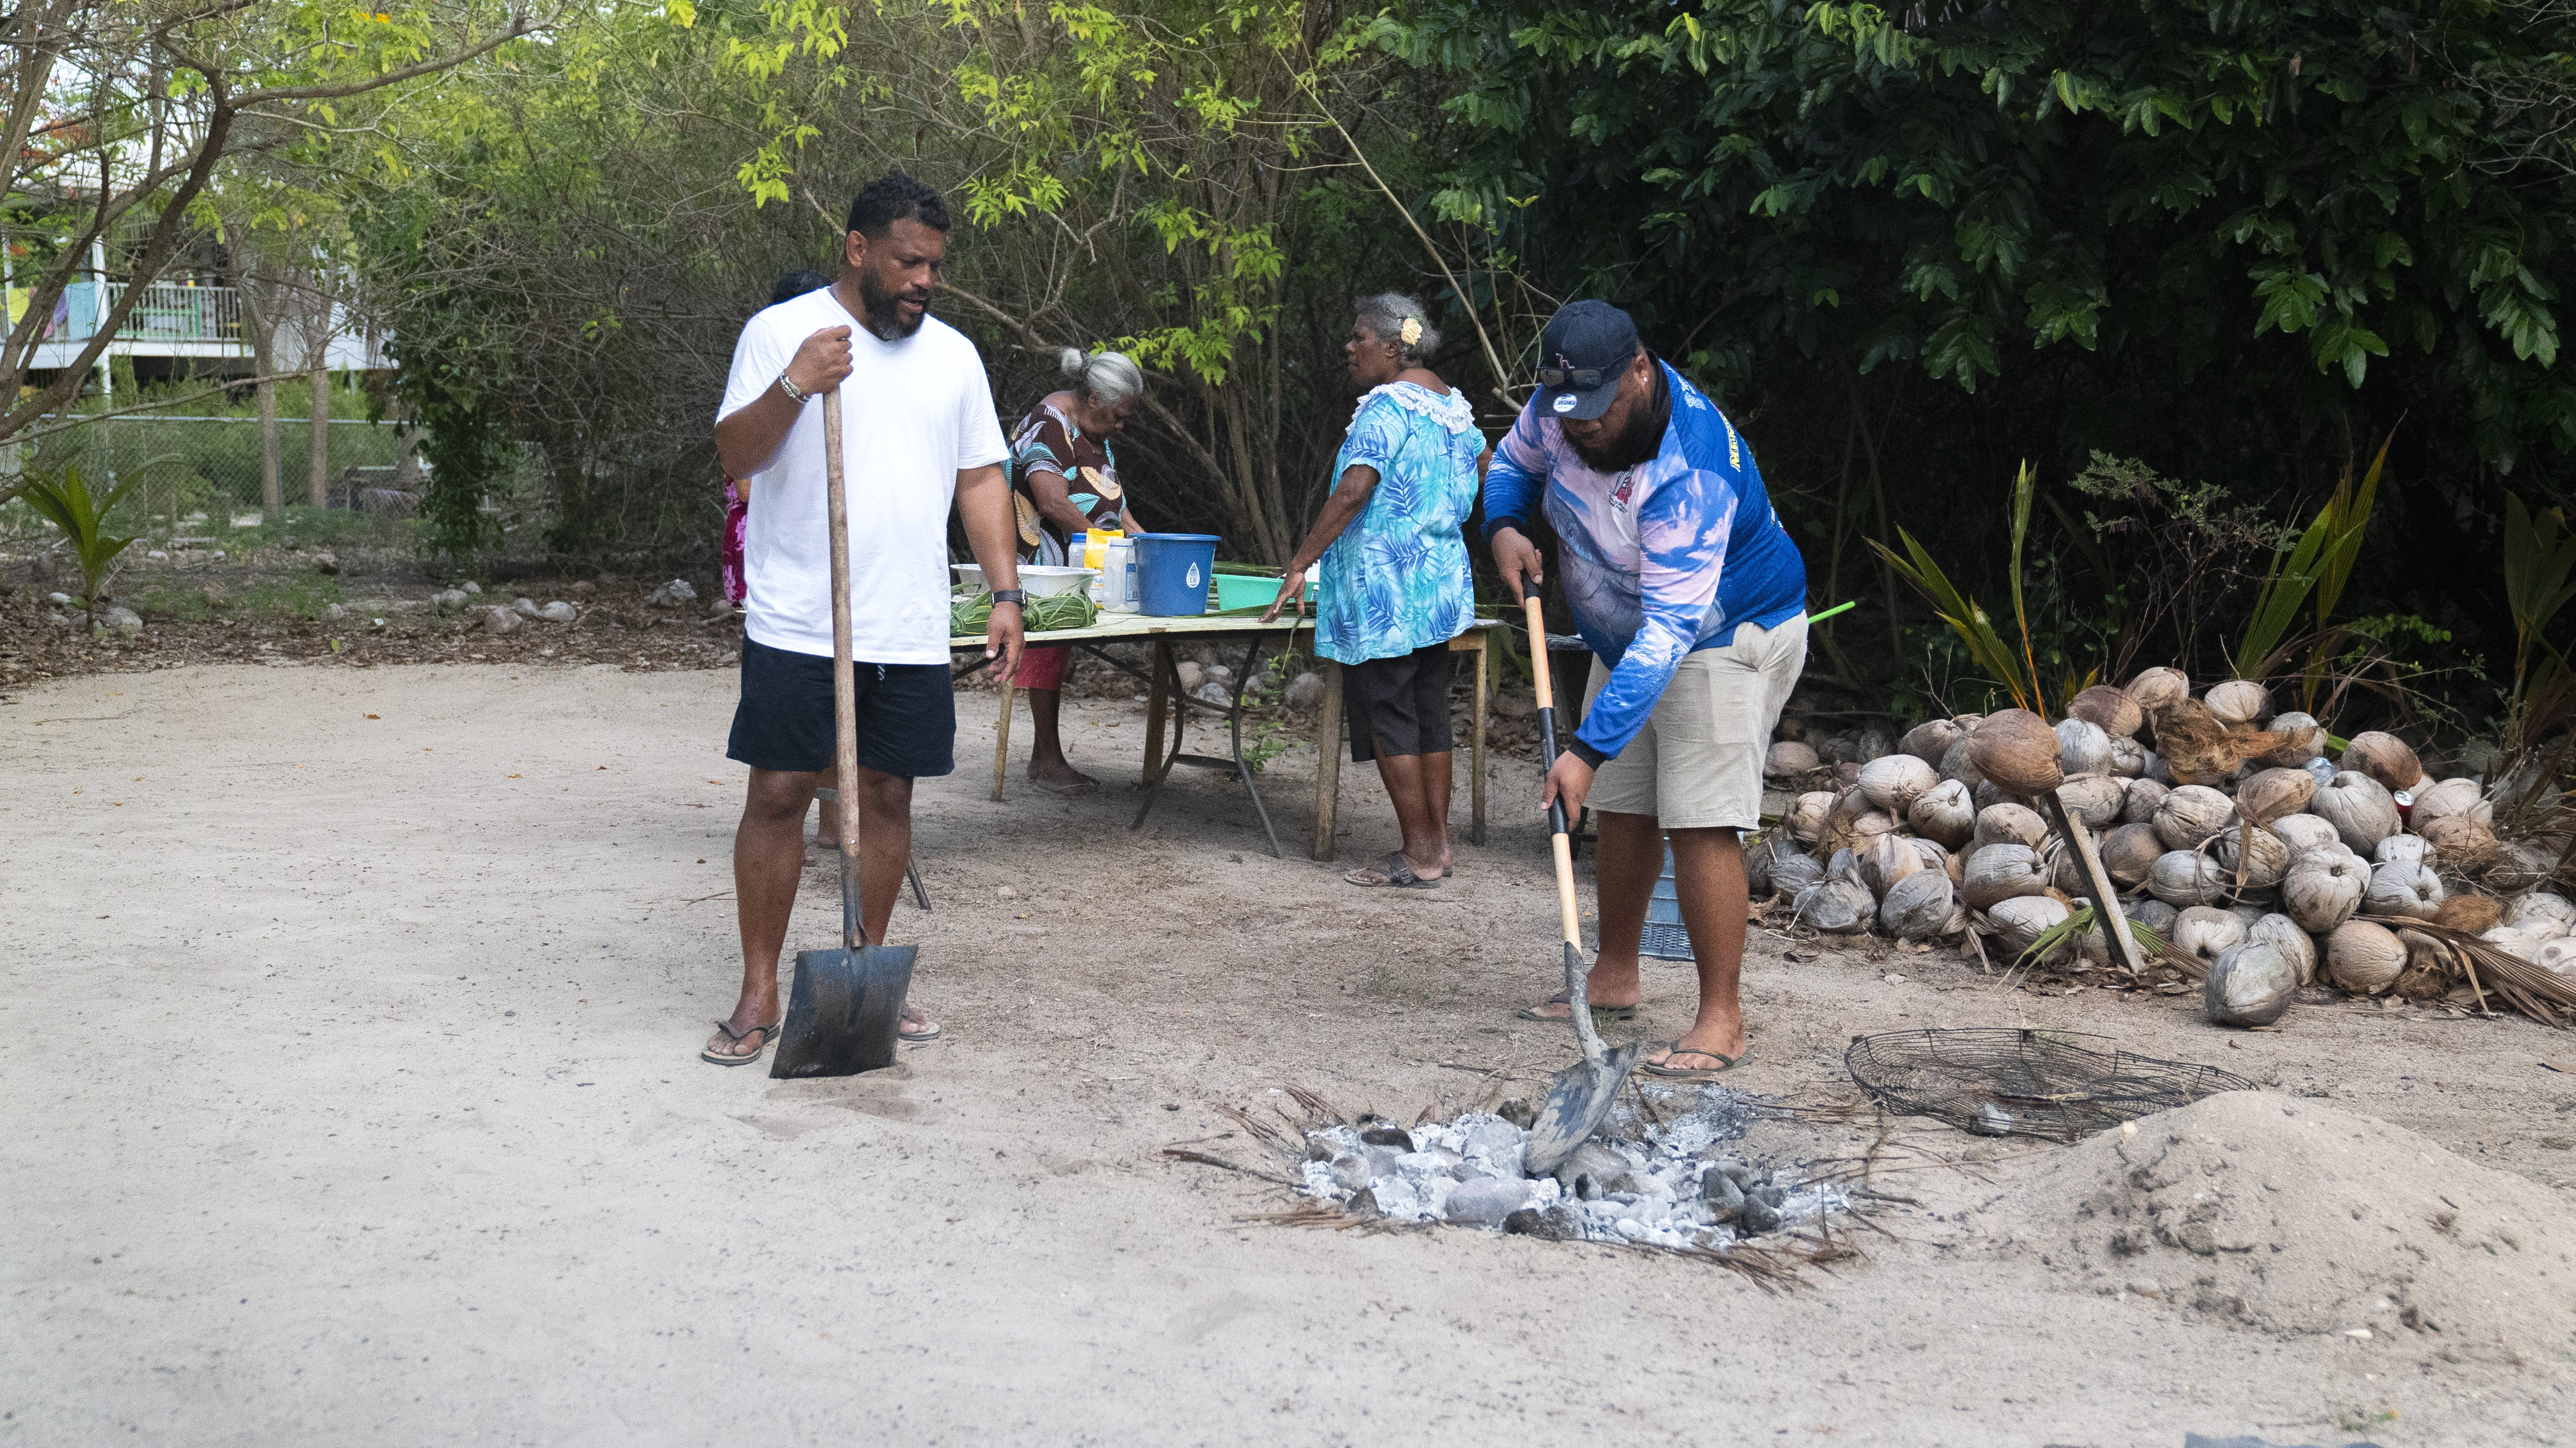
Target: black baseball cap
x,y
1580,356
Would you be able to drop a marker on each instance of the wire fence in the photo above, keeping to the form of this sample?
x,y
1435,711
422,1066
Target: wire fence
x,y
204,472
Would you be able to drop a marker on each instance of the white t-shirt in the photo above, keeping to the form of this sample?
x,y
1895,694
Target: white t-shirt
x,y
914,414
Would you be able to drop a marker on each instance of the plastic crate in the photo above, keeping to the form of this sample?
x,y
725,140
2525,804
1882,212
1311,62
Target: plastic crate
x,y
1664,937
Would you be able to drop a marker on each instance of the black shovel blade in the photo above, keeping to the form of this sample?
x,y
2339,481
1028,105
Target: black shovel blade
x,y
1582,1094
843,1010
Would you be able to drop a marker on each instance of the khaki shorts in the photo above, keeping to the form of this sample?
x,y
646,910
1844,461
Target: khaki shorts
x,y
1697,764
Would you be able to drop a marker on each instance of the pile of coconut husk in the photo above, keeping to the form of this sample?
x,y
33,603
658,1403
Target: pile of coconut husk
x,y
2254,862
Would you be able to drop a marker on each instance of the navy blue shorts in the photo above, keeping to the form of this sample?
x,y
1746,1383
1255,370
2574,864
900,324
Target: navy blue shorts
x,y
907,716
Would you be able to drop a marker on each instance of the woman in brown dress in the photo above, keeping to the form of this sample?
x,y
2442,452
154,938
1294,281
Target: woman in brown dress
x,y
1064,481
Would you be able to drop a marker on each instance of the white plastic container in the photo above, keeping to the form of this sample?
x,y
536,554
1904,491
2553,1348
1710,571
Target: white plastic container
x,y
1115,590
1042,581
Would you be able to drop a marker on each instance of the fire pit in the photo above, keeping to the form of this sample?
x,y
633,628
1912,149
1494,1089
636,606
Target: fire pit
x,y
1657,1181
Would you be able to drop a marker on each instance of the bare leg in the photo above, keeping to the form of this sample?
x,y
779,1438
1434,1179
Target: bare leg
x,y
1708,874
885,848
1047,764
768,857
1426,832
1627,857
1437,784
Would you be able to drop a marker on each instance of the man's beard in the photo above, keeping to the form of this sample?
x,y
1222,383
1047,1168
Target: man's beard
x,y
1637,441
883,318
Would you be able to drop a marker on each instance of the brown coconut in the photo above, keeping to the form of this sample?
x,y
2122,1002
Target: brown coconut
x,y
2364,958
1944,813
2359,808
2323,889
2274,793
1790,759
2146,796
2307,739
2001,872
1836,907
2129,854
2384,757
2203,932
1958,762
2191,814
2305,832
2186,877
2263,856
1918,907
2476,914
2108,709
2297,944
2250,984
1886,860
2403,890
2096,799
1930,740
2154,689
1999,824
1806,818
2021,920
2238,701
2448,799
2018,752
1894,781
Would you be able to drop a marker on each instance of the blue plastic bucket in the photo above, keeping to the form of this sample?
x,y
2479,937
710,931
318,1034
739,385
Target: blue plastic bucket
x,y
1172,572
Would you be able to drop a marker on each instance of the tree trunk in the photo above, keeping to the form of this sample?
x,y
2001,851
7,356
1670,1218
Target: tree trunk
x,y
263,352
321,379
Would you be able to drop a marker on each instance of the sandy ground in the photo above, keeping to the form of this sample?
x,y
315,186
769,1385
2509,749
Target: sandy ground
x,y
354,1099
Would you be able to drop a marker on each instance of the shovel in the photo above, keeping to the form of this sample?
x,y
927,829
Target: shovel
x,y
1582,1093
845,1005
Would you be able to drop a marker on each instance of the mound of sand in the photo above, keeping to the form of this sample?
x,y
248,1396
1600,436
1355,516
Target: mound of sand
x,y
2294,1217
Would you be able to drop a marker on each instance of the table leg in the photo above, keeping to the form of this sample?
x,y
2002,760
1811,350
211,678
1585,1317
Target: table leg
x,y
1328,757
1002,739
1476,740
1157,701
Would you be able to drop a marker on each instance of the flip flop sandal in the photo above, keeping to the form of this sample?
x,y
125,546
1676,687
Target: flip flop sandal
x,y
1703,1073
768,1033
924,1037
1613,1013
1398,876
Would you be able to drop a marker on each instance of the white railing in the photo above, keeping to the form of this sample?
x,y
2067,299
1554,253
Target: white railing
x,y
177,312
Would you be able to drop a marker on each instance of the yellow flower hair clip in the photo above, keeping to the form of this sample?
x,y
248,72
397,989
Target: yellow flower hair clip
x,y
1410,332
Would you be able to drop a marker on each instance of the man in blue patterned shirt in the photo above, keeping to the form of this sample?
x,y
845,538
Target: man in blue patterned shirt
x,y
1693,601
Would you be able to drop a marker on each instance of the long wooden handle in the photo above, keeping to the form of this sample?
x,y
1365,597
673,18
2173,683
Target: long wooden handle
x,y
1560,842
845,682
2097,883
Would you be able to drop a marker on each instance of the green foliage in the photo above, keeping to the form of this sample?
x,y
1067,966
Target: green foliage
x,y
63,498
2539,557
2170,555
2019,676
2316,567
297,595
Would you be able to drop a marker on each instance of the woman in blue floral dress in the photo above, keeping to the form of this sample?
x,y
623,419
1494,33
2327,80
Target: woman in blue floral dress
x,y
1395,585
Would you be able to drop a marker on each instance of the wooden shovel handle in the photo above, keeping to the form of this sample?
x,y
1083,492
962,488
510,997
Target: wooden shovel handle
x,y
1560,843
845,683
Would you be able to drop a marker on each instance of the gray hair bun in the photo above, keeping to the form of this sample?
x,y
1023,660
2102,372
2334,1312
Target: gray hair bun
x,y
1386,315
1105,378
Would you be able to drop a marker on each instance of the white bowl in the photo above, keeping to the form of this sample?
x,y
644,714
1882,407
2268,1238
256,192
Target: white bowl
x,y
1044,582
969,573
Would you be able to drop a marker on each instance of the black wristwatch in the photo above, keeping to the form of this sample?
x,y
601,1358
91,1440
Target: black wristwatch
x,y
1019,596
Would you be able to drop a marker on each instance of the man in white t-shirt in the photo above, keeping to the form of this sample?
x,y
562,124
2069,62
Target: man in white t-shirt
x,y
917,432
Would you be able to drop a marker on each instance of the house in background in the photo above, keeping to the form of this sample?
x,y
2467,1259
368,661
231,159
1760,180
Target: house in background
x,y
186,328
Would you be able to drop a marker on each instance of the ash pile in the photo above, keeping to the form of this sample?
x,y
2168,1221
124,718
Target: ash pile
x,y
1668,1182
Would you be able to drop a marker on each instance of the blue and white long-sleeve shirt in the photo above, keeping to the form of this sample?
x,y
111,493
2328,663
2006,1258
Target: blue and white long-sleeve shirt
x,y
1659,561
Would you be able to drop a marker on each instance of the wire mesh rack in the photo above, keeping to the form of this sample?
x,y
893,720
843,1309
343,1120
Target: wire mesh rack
x,y
2001,1081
